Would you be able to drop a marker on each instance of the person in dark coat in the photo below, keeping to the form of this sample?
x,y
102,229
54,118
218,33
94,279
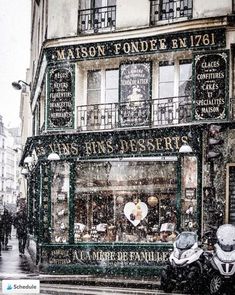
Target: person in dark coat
x,y
1,233
21,225
7,223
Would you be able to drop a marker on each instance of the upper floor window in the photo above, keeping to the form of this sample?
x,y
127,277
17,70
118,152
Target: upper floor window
x,y
102,86
166,10
97,15
175,79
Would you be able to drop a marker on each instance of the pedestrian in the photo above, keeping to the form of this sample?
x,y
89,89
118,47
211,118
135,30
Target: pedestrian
x,y
1,233
21,225
7,223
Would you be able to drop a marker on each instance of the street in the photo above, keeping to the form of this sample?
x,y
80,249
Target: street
x,y
95,290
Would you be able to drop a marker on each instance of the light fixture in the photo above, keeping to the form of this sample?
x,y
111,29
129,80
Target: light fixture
x,y
185,148
53,157
25,171
29,164
28,160
18,85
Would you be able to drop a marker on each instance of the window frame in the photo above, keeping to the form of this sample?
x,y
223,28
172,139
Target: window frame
x,y
103,88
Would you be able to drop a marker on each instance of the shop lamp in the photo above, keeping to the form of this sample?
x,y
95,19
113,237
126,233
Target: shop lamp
x,y
29,163
28,160
53,157
185,148
25,171
18,85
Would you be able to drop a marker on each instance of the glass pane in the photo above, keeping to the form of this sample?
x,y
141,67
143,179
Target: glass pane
x,y
185,72
112,82
111,96
93,80
100,3
166,73
93,96
111,2
166,89
112,79
185,83
185,88
125,201
60,203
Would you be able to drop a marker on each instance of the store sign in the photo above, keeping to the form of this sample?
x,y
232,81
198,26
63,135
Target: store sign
x,y
117,144
194,40
210,85
135,93
100,257
60,108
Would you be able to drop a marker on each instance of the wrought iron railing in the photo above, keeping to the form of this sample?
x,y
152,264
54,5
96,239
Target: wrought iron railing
x,y
170,9
97,19
156,112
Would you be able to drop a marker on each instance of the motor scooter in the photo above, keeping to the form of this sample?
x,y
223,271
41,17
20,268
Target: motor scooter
x,y
185,266
220,263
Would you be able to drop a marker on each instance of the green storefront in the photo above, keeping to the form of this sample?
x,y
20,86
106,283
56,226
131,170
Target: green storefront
x,y
100,208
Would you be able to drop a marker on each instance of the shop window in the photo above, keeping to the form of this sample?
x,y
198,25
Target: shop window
x,y
125,201
60,203
189,194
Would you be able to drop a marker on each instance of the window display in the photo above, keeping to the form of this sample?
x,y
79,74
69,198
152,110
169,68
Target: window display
x,y
189,200
59,202
125,201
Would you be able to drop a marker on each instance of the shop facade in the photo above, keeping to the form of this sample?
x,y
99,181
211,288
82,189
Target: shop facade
x,y
117,110
102,205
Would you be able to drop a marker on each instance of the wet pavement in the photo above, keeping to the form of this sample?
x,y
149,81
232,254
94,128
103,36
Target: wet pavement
x,y
14,266
11,264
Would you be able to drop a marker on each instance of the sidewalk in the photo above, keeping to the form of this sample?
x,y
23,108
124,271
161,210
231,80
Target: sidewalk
x,y
12,266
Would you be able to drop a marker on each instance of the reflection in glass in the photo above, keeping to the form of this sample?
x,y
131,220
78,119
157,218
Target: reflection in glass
x,y
59,202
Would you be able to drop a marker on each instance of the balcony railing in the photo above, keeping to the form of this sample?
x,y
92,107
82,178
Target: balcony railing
x,y
169,10
157,112
97,19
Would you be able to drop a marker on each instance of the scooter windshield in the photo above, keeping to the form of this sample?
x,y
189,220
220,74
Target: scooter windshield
x,y
226,237
186,240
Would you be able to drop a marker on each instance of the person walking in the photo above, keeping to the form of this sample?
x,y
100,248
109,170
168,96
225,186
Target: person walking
x,y
1,233
6,223
21,225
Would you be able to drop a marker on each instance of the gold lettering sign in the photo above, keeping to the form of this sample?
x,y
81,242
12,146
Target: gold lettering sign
x,y
69,256
157,43
96,147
